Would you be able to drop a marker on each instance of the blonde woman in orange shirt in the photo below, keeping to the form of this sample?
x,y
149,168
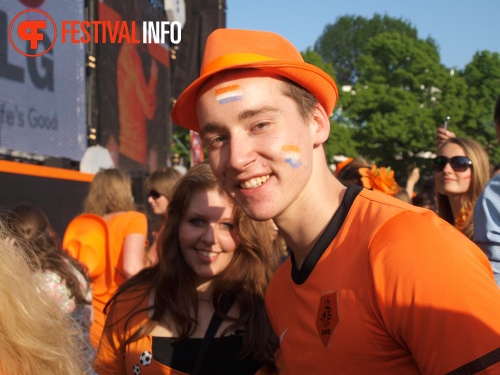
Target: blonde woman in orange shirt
x,y
110,196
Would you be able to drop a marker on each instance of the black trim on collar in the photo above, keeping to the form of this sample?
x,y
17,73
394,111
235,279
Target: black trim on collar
x,y
478,364
299,276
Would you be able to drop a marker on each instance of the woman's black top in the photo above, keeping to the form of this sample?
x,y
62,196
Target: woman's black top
x,y
222,357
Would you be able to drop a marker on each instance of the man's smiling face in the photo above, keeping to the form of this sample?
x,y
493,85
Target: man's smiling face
x,y
259,145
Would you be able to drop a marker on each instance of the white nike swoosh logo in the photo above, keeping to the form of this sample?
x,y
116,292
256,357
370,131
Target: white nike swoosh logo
x,y
283,335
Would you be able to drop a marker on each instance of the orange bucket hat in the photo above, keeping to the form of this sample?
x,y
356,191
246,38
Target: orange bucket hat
x,y
232,48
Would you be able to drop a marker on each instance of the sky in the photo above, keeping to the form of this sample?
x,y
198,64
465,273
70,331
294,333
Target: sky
x,y
460,27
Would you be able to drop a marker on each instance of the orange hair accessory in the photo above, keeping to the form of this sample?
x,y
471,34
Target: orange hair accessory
x,y
380,179
227,49
341,165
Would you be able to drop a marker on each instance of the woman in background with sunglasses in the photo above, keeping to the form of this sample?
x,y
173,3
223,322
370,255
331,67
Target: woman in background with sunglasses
x,y
159,186
461,170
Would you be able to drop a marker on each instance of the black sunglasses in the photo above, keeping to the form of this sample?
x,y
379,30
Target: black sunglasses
x,y
457,163
154,194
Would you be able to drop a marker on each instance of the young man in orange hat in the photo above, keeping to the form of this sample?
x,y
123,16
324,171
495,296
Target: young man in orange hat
x,y
373,286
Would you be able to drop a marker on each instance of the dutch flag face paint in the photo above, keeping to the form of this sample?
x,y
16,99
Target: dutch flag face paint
x,y
228,94
292,155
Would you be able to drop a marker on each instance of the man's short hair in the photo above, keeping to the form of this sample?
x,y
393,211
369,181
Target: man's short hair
x,y
304,99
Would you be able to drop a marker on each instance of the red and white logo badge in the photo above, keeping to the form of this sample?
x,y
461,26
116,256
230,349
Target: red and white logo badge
x,y
32,32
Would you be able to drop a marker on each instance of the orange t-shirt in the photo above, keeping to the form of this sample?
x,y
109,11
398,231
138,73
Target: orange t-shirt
x,y
389,288
119,227
115,358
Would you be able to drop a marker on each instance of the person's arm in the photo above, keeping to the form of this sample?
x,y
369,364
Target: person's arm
x,y
413,178
110,356
435,293
442,135
134,251
487,224
134,245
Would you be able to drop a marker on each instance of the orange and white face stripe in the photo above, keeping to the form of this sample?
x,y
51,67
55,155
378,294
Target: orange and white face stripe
x,y
228,94
292,155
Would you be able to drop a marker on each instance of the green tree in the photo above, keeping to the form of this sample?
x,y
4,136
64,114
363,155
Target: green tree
x,y
312,57
340,141
482,76
181,144
343,42
402,94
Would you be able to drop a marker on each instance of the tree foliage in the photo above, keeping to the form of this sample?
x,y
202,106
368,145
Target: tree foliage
x,y
314,58
402,94
341,140
394,92
482,76
181,144
343,42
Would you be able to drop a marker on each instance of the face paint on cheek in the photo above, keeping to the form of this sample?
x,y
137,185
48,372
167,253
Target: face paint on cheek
x,y
292,155
228,94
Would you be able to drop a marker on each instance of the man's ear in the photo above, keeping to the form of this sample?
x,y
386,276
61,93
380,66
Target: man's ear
x,y
321,123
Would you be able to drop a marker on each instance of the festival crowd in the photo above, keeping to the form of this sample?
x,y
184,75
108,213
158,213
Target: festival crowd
x,y
262,260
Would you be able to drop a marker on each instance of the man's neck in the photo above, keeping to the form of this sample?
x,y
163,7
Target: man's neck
x,y
303,224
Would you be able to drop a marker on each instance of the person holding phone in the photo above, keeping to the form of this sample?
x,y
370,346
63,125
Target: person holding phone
x,y
461,170
443,134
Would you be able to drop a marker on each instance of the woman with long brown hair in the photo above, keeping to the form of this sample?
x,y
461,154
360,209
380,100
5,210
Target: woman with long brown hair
x,y
202,305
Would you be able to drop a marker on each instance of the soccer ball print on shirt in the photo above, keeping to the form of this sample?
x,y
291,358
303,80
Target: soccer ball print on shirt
x,y
146,358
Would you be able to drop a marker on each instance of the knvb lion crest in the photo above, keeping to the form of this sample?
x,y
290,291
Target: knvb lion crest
x,y
328,316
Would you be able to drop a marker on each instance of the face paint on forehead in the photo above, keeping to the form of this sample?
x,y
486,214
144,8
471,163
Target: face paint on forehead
x,y
228,94
292,155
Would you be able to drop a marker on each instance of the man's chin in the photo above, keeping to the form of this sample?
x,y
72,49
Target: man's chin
x,y
256,214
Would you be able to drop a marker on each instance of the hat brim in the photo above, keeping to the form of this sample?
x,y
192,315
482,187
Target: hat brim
x,y
313,79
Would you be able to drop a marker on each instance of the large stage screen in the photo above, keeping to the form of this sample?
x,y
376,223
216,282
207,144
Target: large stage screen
x,y
42,99
133,88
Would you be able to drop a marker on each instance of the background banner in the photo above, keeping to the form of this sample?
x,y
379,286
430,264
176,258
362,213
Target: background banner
x,y
42,99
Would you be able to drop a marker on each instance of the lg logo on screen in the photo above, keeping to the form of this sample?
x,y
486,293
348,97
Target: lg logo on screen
x,y
33,27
